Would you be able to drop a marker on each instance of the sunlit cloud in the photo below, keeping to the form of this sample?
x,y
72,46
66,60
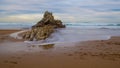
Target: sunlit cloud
x,y
22,18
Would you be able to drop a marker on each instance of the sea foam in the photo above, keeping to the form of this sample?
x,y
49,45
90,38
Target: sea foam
x,y
72,34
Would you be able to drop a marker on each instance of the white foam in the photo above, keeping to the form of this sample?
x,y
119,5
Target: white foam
x,y
15,35
74,35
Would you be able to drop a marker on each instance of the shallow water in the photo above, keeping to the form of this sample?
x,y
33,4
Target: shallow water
x,y
72,34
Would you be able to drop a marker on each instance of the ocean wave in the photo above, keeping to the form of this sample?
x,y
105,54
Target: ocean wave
x,y
91,24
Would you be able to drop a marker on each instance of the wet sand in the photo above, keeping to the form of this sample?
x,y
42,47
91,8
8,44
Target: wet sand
x,y
4,36
90,54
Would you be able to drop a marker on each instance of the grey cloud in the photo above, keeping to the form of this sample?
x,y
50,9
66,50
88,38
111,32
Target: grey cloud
x,y
79,9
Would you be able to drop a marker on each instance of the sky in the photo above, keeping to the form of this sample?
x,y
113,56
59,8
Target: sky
x,y
73,11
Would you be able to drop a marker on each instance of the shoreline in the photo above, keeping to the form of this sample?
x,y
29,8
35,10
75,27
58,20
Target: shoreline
x,y
15,53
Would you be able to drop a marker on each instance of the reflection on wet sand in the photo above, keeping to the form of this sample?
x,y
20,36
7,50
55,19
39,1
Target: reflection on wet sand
x,y
47,46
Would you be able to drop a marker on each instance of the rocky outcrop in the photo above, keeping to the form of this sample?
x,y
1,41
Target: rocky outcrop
x,y
38,33
44,28
48,19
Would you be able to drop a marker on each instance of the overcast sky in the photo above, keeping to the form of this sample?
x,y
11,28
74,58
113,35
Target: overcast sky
x,y
20,11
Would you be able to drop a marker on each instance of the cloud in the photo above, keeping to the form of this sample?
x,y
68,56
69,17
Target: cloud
x,y
67,10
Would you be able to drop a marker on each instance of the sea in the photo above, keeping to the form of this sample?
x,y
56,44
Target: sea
x,y
74,32
76,25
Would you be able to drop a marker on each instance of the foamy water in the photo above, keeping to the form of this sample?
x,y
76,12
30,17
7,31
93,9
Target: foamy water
x,y
74,34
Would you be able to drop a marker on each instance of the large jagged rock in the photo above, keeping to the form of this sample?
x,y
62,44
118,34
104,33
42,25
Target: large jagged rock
x,y
44,28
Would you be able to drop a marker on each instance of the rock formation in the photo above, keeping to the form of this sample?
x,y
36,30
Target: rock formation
x,y
48,19
43,28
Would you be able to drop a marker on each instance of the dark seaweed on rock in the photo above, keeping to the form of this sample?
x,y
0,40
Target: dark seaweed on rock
x,y
44,28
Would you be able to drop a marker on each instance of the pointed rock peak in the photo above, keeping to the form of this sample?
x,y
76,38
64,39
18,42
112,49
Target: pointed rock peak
x,y
47,13
48,19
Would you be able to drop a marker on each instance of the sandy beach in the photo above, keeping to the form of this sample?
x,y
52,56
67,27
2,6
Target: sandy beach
x,y
15,53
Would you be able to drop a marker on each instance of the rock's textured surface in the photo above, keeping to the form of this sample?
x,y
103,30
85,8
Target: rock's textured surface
x,y
38,33
43,28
